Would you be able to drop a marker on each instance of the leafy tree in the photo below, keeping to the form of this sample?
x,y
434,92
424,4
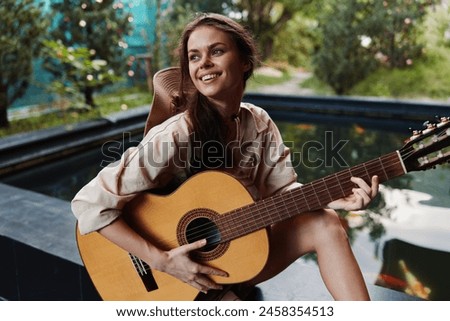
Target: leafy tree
x,y
341,60
394,27
267,18
81,71
436,27
100,26
23,24
359,34
296,42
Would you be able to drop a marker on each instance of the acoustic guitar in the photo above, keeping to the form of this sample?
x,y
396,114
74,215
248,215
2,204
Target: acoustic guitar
x,y
215,206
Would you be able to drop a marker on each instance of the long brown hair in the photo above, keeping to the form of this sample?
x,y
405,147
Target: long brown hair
x,y
206,121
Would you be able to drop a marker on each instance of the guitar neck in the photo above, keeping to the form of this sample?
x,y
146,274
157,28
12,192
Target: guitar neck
x,y
309,197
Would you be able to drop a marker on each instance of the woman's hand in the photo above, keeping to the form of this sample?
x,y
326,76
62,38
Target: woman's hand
x,y
177,262
360,198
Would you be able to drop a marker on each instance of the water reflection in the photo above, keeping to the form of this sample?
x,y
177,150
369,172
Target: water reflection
x,y
403,240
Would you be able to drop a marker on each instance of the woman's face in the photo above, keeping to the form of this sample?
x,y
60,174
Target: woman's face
x,y
215,64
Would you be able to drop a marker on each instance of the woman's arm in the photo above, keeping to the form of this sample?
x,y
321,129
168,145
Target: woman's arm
x,y
175,262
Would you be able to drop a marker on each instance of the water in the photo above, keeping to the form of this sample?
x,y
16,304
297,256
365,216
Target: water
x,y
402,241
404,235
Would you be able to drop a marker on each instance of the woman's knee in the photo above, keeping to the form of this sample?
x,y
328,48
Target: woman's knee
x,y
328,227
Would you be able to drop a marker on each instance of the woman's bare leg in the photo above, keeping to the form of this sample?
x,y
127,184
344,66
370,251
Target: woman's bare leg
x,y
319,232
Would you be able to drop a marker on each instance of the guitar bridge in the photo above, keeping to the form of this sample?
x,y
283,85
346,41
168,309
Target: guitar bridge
x,y
144,272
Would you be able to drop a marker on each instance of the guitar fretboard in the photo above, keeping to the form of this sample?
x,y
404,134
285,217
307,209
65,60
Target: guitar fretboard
x,y
309,197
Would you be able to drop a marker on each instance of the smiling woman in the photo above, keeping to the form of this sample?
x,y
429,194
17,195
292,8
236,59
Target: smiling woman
x,y
217,56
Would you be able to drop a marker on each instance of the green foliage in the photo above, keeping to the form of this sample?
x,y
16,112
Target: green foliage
x,y
394,29
172,25
359,34
427,78
259,80
341,61
267,18
107,103
295,43
78,71
435,31
99,26
22,25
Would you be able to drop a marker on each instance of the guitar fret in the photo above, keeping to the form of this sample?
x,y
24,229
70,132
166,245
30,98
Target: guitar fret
x,y
335,176
367,172
308,197
258,212
326,188
304,198
382,167
286,210
315,193
274,207
297,210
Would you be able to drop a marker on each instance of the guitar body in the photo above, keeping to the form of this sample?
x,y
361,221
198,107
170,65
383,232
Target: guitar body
x,y
164,220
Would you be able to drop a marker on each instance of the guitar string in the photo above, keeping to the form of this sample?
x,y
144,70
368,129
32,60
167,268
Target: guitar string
x,y
291,204
204,228
307,194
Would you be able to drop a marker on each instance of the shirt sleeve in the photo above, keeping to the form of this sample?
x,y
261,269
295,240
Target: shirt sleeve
x,y
275,172
152,164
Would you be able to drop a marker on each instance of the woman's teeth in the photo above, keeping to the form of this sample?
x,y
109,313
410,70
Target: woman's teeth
x,y
209,77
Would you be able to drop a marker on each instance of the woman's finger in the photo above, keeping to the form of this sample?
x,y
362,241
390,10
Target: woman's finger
x,y
362,184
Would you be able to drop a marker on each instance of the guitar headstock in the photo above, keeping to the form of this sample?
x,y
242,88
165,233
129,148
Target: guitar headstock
x,y
428,147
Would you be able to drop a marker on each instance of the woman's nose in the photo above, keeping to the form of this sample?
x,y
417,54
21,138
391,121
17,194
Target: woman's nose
x,y
206,62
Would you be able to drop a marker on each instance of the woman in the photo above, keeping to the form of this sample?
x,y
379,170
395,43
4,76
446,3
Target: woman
x,y
217,56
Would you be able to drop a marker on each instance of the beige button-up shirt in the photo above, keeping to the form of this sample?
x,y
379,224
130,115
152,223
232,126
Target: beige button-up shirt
x,y
261,162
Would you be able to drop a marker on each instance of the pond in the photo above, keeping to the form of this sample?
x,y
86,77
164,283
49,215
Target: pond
x,y
401,242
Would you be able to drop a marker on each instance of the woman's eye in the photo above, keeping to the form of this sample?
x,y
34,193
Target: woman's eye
x,y
194,57
217,51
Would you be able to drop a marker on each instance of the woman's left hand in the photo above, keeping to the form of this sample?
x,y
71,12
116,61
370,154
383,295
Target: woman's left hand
x,y
360,198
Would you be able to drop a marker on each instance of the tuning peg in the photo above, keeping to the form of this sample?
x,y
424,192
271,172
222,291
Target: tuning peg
x,y
443,121
428,126
441,118
415,133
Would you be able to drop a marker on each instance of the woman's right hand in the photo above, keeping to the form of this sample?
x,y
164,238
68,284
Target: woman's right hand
x,y
178,263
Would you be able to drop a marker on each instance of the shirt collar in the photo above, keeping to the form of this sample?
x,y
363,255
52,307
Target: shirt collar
x,y
260,125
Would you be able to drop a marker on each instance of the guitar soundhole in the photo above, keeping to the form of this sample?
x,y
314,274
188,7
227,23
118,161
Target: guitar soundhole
x,y
203,228
197,225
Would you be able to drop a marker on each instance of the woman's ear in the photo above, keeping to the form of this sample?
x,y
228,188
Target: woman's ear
x,y
247,66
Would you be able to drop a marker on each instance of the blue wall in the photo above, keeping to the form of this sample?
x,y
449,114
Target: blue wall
x,y
144,18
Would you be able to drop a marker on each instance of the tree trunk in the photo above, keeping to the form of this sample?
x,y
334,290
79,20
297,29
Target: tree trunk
x,y
89,96
267,50
3,106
